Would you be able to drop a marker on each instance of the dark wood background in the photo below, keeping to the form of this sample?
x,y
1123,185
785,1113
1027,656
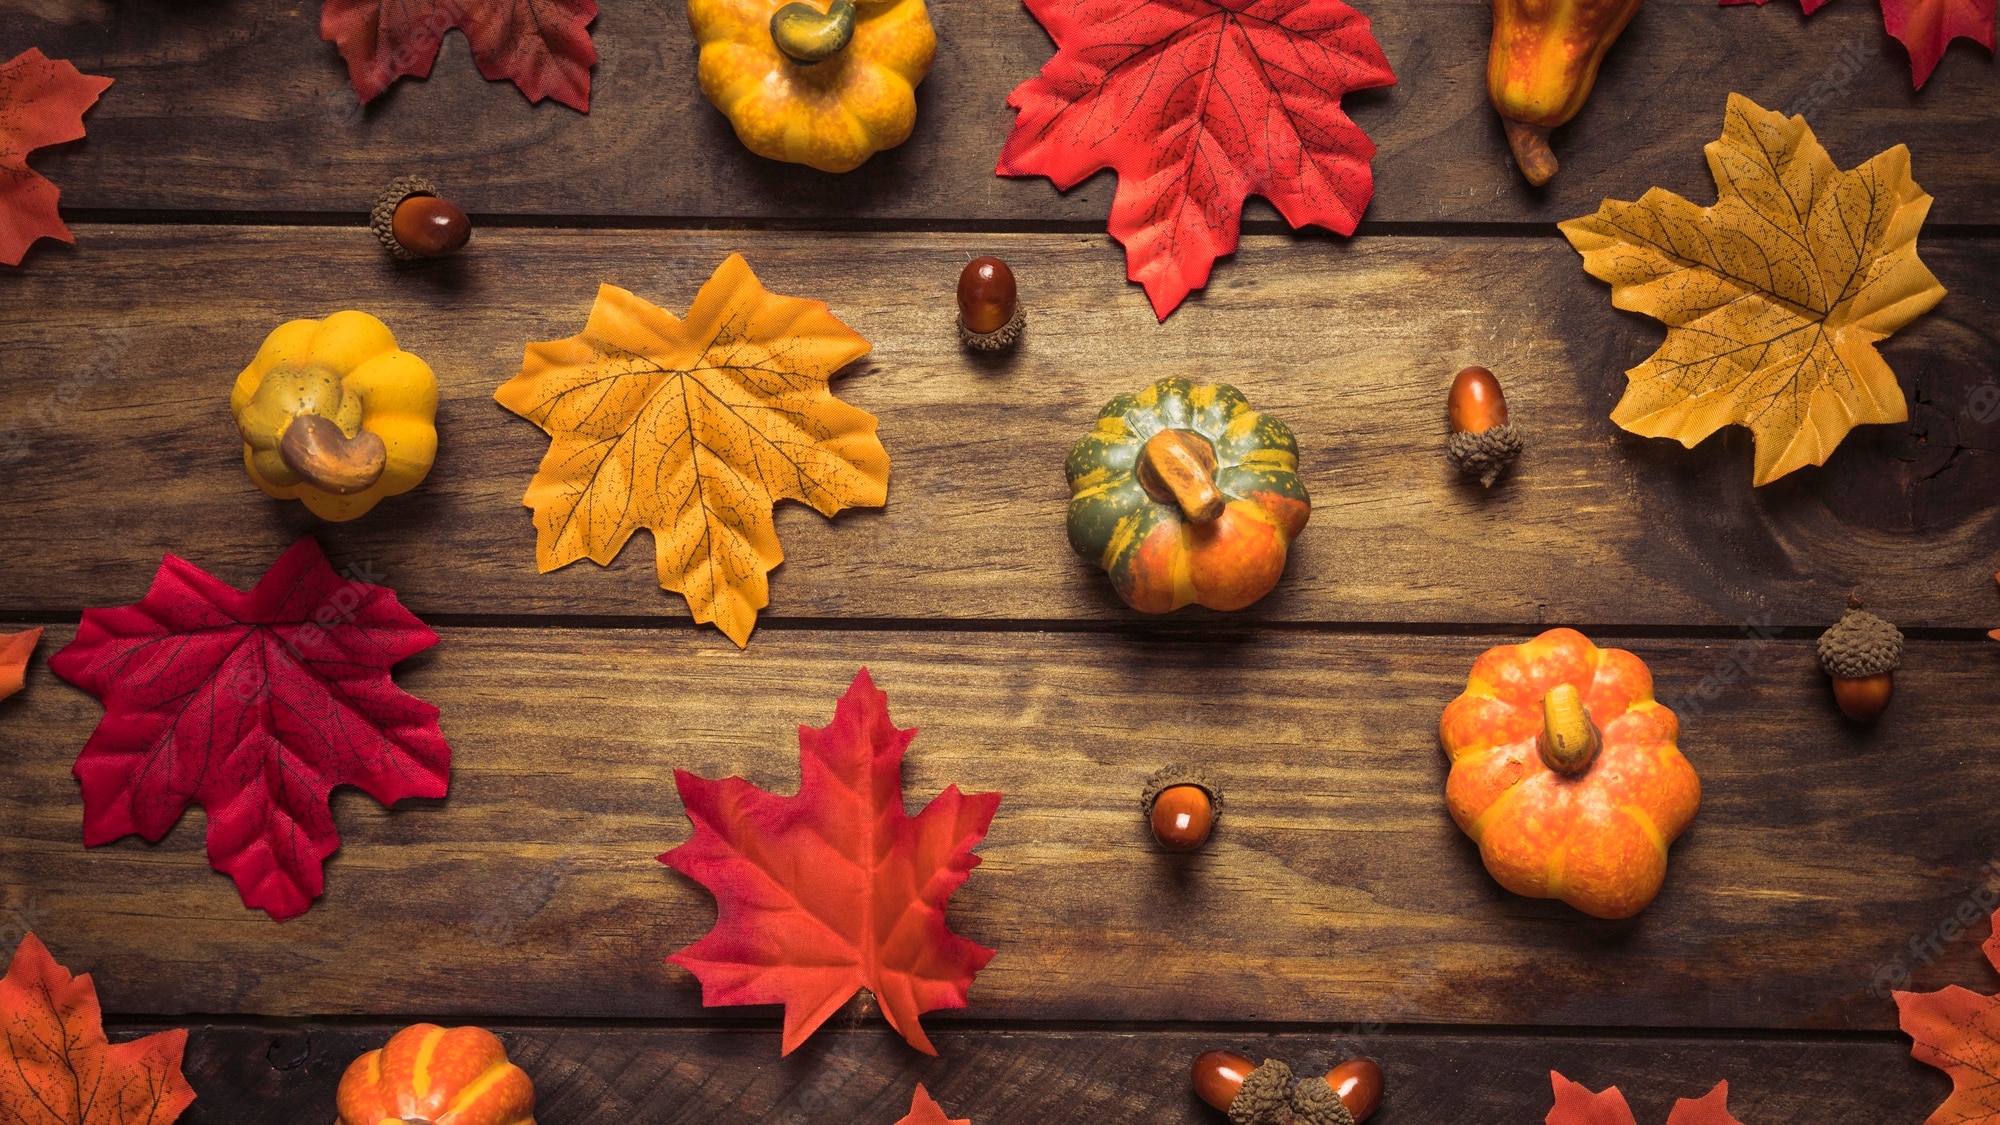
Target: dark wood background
x,y
1336,911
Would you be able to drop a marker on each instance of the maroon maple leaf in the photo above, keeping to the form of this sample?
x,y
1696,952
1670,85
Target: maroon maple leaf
x,y
543,45
1197,104
255,705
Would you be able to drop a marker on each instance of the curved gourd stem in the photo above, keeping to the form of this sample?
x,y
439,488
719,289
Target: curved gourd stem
x,y
329,460
1531,150
1569,741
1179,466
807,35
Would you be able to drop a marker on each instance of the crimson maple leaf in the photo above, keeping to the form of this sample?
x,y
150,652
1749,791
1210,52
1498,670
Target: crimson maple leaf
x,y
41,103
543,45
1576,1105
1925,27
254,704
1197,104
834,890
1958,1031
57,1068
924,1110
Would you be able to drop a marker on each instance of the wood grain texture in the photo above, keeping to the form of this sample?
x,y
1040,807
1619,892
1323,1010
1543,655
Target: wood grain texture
x,y
236,105
121,447
1826,865
692,1076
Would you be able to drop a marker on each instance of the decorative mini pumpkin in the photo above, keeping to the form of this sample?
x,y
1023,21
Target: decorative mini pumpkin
x,y
827,88
1565,773
431,1075
332,413
1185,494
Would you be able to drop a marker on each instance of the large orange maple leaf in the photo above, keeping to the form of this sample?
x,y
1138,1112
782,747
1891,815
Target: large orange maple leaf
x,y
694,429
836,889
1576,1105
1958,1031
41,103
57,1068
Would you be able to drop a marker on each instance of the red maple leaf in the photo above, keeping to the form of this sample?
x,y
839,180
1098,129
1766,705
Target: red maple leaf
x,y
56,1067
41,103
1958,1031
1925,27
924,1110
834,890
543,45
1197,104
1576,1105
255,705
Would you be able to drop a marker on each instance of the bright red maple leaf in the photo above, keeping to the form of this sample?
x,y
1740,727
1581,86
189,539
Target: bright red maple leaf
x,y
1197,104
543,45
924,1110
41,103
834,890
57,1068
1576,1105
1925,27
254,704
1958,1031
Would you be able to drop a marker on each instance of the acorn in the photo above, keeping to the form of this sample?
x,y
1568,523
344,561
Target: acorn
x,y
989,306
1182,805
1482,444
414,221
1267,1094
1861,654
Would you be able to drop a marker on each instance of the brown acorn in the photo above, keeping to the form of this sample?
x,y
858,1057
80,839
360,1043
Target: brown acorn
x,y
1861,654
414,221
1267,1094
989,306
1482,443
1182,805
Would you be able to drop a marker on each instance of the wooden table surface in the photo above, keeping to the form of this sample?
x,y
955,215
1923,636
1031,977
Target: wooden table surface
x,y
1337,910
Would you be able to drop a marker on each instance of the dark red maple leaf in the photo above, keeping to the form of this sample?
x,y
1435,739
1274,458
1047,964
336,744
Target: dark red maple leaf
x,y
1198,104
254,704
543,45
41,103
1957,1030
836,889
57,1068
1576,1105
1925,27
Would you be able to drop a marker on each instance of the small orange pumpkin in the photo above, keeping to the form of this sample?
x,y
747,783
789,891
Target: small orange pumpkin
x,y
1565,773
431,1075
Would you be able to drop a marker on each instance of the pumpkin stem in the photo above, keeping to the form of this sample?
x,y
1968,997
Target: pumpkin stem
x,y
315,448
1178,466
1531,150
1570,740
807,35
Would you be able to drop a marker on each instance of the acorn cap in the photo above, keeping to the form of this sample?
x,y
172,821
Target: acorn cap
x,y
1485,454
1860,646
1000,338
1266,1096
1179,774
382,220
1315,1103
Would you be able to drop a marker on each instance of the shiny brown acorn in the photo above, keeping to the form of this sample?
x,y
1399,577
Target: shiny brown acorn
x,y
1482,442
1860,654
1221,1076
1181,804
413,221
989,306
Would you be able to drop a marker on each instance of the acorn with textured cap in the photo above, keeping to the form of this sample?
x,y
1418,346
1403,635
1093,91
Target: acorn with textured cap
x,y
413,221
1861,654
1482,443
1268,1094
1181,804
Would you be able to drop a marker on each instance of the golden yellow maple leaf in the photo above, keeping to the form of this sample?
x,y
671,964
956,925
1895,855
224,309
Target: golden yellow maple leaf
x,y
1773,298
694,429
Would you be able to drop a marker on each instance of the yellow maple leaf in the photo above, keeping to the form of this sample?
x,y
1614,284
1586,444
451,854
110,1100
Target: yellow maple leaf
x,y
1774,297
694,429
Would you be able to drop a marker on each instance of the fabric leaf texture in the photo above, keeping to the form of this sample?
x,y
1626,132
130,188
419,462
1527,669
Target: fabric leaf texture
x,y
41,103
542,45
1576,1105
1957,1030
1925,27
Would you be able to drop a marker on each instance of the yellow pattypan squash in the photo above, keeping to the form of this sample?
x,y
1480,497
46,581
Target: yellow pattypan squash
x,y
827,88
334,414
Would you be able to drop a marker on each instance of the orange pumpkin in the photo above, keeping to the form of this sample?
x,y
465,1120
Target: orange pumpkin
x,y
1565,773
431,1075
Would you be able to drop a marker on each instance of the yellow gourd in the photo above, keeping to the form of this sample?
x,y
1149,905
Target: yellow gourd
x,y
826,87
334,414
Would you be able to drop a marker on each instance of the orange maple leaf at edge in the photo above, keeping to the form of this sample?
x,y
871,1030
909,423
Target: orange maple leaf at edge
x,y
55,1061
15,648
41,103
1576,1105
1958,1031
694,429
924,1110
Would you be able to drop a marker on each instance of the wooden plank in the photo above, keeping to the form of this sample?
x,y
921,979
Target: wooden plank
x,y
238,106
1827,864
692,1076
121,356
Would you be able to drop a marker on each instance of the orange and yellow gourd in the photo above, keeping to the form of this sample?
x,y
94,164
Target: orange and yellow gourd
x,y
1596,838
430,1075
